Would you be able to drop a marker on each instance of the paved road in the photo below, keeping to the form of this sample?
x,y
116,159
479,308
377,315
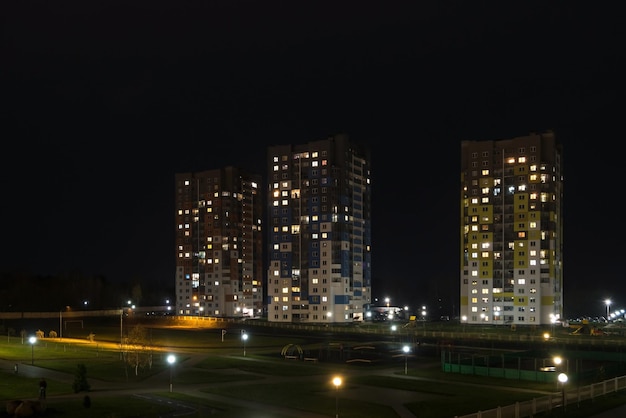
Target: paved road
x,y
619,412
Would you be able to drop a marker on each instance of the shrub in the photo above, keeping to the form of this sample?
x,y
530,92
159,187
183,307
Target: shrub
x,y
80,379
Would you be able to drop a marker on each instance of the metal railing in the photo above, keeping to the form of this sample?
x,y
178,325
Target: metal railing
x,y
569,398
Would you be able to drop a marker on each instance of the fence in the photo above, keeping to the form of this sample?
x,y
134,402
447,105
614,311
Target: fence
x,y
567,398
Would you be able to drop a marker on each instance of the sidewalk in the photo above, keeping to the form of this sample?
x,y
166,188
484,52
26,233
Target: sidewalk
x,y
619,412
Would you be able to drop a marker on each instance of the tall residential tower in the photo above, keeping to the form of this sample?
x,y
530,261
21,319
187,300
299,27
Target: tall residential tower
x,y
512,231
319,232
219,244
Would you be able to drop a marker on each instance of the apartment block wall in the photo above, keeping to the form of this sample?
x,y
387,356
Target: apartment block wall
x,y
511,253
319,232
219,243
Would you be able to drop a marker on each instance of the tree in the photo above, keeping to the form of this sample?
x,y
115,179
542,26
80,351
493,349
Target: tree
x,y
138,353
80,379
135,292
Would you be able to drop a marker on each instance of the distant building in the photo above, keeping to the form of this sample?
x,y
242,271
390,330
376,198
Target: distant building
x,y
219,244
512,231
319,232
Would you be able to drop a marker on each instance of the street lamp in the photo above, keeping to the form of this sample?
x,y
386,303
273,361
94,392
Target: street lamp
x,y
244,337
464,321
607,302
557,362
406,350
121,332
32,341
563,379
171,359
337,383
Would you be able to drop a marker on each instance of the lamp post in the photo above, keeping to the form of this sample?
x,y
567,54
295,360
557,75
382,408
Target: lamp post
x,y
337,383
406,350
121,332
607,302
563,379
244,337
464,321
557,362
171,359
32,341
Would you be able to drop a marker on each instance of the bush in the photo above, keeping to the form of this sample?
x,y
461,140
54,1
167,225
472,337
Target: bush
x,y
80,379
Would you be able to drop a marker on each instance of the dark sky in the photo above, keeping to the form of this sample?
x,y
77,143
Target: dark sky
x,y
101,104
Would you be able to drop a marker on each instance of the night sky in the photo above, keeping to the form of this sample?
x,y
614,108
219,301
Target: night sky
x,y
101,104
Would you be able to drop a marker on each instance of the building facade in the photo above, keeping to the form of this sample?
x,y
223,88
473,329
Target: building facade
x,y
219,243
512,231
319,232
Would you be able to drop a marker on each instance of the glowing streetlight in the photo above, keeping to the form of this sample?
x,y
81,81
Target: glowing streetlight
x,y
607,302
337,383
563,379
32,341
557,362
171,359
387,301
244,337
406,350
121,333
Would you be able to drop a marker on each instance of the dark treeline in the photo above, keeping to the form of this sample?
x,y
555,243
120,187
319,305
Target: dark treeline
x,y
24,292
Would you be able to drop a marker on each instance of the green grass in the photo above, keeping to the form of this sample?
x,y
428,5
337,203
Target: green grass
x,y
301,385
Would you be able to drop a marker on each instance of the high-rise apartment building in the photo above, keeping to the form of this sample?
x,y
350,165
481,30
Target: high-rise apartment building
x,y
219,243
319,232
512,231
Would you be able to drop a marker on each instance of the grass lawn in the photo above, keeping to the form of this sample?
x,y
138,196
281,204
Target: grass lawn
x,y
262,376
